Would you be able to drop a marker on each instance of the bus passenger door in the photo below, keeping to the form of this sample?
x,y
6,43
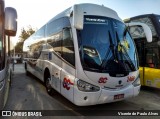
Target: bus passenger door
x,y
56,72
68,65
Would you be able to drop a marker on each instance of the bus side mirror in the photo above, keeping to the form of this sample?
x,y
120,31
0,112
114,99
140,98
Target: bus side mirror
x,y
78,17
145,27
10,21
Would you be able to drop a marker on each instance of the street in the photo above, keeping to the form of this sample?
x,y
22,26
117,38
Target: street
x,y
29,93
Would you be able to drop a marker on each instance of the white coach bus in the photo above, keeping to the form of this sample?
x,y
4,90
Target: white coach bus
x,y
8,27
87,54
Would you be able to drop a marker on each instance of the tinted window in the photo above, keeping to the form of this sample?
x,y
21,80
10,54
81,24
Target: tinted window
x,y
54,42
140,49
66,22
54,26
54,36
106,46
34,44
40,33
35,50
68,47
57,25
152,57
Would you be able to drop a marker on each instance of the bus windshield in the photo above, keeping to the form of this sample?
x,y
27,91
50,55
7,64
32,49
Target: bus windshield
x,y
105,45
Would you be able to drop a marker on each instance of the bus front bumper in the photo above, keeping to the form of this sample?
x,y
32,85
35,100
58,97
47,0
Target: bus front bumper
x,y
104,95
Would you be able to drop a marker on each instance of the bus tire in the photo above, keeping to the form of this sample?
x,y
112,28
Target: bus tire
x,y
27,72
48,86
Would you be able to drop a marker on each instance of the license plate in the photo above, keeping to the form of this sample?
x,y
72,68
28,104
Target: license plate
x,y
119,96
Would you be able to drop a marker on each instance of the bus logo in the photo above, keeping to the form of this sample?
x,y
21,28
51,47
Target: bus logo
x,y
67,83
103,80
130,78
120,82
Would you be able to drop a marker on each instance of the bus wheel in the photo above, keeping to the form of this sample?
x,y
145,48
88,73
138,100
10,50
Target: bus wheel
x,y
27,72
49,88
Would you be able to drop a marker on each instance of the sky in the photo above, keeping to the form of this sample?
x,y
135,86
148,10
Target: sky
x,y
36,13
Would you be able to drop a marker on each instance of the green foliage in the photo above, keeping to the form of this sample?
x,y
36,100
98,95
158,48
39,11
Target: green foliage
x,y
19,47
25,33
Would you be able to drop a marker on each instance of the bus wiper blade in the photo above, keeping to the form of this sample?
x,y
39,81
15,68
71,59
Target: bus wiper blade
x,y
111,44
129,61
131,65
111,47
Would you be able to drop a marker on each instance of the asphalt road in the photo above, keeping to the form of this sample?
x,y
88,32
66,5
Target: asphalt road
x,y
29,93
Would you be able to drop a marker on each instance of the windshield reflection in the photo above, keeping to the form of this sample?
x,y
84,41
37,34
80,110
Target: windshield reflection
x,y
106,46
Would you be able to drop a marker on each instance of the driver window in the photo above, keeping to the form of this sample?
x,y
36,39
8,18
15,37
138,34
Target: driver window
x,y
68,47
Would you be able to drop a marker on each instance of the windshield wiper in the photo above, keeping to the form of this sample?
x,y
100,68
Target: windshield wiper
x,y
128,59
111,48
111,45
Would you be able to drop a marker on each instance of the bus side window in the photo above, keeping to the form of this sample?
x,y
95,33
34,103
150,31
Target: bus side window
x,y
150,63
68,46
56,42
156,58
36,50
149,60
152,58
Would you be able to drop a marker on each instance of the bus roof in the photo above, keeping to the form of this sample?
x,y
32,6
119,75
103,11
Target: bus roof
x,y
140,16
154,24
88,8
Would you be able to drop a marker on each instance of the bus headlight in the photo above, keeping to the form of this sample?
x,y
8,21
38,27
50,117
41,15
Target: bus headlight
x,y
1,84
86,87
137,81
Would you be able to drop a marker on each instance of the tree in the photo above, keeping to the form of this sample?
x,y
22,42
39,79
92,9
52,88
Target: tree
x,y
25,33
